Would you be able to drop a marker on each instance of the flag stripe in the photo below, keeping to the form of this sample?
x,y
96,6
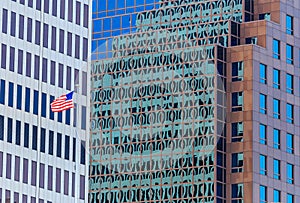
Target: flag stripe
x,y
64,102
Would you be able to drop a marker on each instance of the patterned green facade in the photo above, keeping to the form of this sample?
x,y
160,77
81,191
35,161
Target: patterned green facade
x,y
158,107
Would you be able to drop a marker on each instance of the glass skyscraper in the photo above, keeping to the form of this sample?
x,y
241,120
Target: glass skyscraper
x,y
43,54
194,101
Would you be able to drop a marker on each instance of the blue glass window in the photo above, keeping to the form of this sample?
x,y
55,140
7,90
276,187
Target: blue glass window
x,y
276,49
26,135
27,99
36,67
37,32
290,143
276,169
38,5
35,102
51,142
12,59
9,129
1,127
28,64
2,91
13,24
276,108
3,56
237,162
85,50
45,35
289,84
74,149
44,105
60,75
61,41
276,196
82,152
262,194
19,97
83,118
52,73
262,134
29,30
67,147
86,15
69,44
289,54
46,6
34,137
4,20
20,62
51,113
68,112
54,7
58,145
262,103
78,8
262,164
59,117
44,70
290,173
289,113
289,198
30,3
43,140
70,10
289,25
62,9
11,94
237,132
276,138
18,132
237,192
263,73
69,81
53,38
237,101
77,46
21,26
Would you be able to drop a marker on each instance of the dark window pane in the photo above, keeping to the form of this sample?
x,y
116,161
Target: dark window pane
x,y
43,140
51,113
36,102
50,177
2,91
19,97
69,46
1,161
54,7
28,64
82,152
27,99
46,6
25,171
30,3
53,38
37,32
1,127
68,117
26,135
52,74
38,5
21,26
74,149
51,142
13,24
45,35
11,94
32,200
34,137
42,175
68,78
83,118
12,59
60,75
9,130
22,2
78,12
59,117
82,187
61,41
17,168
44,70
20,61
67,147
66,182
8,166
4,20
33,173
3,56
58,145
85,49
36,67
18,132
7,195
76,78
29,30
73,184
62,9
24,198
70,10
84,83
77,46
58,180
86,16
44,105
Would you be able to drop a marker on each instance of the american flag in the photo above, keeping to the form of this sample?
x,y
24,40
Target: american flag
x,y
64,102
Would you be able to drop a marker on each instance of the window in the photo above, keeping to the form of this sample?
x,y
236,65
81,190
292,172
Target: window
x,y
36,67
33,173
82,187
237,132
82,152
17,168
3,56
9,129
44,105
237,164
4,20
276,138
27,99
37,32
53,38
237,192
276,108
26,135
58,180
237,71
61,41
289,25
262,164
52,74
276,196
85,50
276,78
38,5
67,147
2,91
70,10
68,82
74,150
289,173
51,142
262,134
25,171
50,178
21,26
276,49
58,145
69,44
62,9
251,40
289,54
54,7
34,137
289,143
68,117
29,30
8,166
1,127
60,75
237,101
18,132
262,103
13,24
264,16
276,169
43,140
45,34
289,198
289,84
86,16
10,94
35,102
59,117
51,113
20,62
44,70
42,176
262,194
78,12
12,59
28,64
19,97
77,46
84,87
289,113
263,73
46,6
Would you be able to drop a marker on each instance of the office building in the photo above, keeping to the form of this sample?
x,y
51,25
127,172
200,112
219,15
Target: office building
x,y
43,55
195,101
